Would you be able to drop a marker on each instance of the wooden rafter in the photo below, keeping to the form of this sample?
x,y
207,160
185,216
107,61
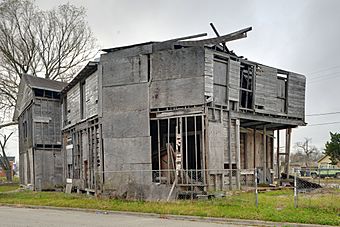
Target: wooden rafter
x,y
222,39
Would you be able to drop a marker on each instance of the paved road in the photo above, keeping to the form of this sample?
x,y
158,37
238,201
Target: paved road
x,y
20,217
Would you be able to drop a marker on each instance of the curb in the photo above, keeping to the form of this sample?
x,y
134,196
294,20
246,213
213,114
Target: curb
x,y
241,222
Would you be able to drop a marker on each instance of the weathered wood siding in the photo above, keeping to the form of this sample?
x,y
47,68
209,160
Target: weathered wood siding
x,y
25,98
209,75
234,81
126,130
47,121
91,93
73,105
216,140
266,89
48,168
296,95
177,74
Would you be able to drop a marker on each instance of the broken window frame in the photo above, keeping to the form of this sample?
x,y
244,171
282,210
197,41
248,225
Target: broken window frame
x,y
284,76
248,88
224,60
170,133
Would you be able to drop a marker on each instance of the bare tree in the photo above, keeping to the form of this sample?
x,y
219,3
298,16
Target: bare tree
x,y
306,150
5,164
52,43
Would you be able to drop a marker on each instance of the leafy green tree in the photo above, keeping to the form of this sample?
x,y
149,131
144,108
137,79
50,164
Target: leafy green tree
x,y
332,148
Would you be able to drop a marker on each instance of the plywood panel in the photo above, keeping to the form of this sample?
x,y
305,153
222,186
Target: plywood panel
x,y
124,151
216,137
179,92
126,70
179,63
126,124
132,97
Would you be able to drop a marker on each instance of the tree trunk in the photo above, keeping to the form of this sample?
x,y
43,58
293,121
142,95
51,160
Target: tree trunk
x,y
9,176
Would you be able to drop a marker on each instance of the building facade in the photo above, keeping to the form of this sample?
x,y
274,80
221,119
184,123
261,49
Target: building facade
x,y
152,119
176,113
39,121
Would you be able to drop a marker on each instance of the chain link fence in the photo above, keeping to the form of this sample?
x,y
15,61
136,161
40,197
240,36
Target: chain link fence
x,y
177,184
242,186
317,188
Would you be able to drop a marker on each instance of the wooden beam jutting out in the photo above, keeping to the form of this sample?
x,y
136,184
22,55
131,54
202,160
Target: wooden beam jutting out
x,y
222,39
218,35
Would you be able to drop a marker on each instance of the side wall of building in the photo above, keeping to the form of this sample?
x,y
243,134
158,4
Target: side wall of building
x,y
82,136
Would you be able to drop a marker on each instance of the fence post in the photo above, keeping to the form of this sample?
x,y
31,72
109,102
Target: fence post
x,y
295,192
256,192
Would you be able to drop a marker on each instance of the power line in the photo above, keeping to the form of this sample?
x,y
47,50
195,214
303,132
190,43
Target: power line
x,y
326,123
323,70
323,76
322,114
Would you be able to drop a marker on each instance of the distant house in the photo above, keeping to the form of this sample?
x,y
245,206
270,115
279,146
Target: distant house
x,y
11,162
39,120
326,163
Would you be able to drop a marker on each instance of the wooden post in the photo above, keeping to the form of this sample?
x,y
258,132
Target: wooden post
x,y
195,134
264,154
167,151
238,154
278,154
204,149
186,143
288,138
159,151
229,151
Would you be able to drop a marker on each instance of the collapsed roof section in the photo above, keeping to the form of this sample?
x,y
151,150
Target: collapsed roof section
x,y
218,43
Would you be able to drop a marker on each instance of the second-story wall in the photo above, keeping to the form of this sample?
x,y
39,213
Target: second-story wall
x,y
177,78
253,86
81,100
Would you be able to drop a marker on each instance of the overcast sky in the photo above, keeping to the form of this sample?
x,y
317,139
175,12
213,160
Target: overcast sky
x,y
299,36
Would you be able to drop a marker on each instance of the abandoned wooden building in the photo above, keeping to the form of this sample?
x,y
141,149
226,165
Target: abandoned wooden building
x,y
39,120
154,117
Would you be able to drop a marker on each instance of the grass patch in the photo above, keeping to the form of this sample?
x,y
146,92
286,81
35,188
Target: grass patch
x,y
9,187
14,180
273,206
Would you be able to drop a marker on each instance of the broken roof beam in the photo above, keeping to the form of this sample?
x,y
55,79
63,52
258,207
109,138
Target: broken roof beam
x,y
222,39
225,48
186,37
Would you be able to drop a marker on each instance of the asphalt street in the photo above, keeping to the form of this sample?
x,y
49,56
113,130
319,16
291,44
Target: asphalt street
x,y
20,217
